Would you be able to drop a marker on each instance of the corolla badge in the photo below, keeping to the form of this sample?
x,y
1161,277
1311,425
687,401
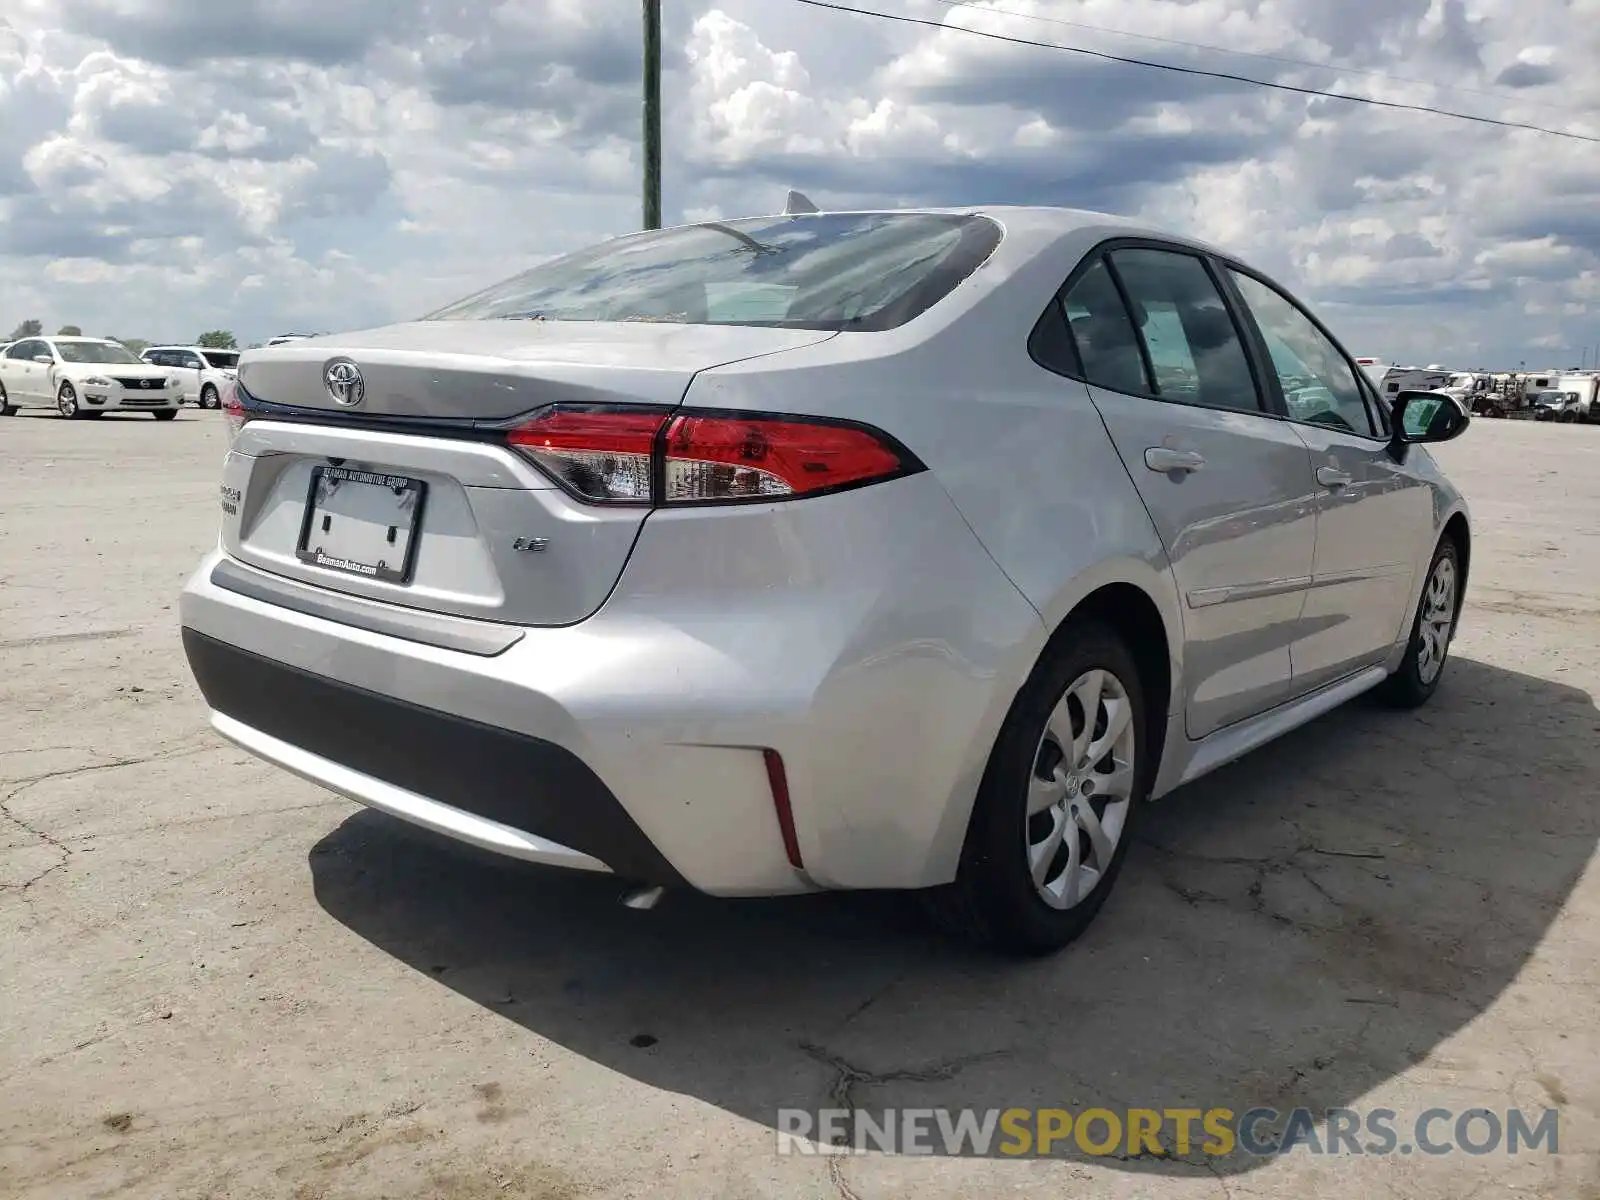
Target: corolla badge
x,y
343,380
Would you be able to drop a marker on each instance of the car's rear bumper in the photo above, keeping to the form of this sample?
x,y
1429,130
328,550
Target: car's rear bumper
x,y
503,750
500,789
877,667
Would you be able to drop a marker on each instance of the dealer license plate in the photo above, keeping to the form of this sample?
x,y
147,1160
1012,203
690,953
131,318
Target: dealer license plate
x,y
362,523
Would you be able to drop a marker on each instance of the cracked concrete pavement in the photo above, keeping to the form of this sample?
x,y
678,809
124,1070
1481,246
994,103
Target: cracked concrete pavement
x,y
216,980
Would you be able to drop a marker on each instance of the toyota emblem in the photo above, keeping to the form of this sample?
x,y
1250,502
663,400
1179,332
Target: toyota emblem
x,y
343,380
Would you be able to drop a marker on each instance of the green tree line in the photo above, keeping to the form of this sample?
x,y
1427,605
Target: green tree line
x,y
212,339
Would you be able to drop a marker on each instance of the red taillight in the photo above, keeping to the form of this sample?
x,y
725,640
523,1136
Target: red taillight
x,y
597,454
630,455
736,458
233,409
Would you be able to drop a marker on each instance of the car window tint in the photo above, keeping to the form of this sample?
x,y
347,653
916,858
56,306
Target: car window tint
x,y
1051,344
1194,347
1380,414
1104,335
1319,384
837,271
22,350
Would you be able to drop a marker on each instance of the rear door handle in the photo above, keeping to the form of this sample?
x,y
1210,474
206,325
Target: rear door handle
x,y
1160,458
1332,477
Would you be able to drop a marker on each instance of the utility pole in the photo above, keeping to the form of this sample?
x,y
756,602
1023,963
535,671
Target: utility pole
x,y
652,114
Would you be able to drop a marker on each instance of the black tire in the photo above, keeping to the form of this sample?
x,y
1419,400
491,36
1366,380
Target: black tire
x,y
208,397
7,409
993,902
67,402
165,414
1409,686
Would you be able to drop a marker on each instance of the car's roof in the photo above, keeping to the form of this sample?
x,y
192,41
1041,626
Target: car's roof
x,y
1058,218
180,346
72,337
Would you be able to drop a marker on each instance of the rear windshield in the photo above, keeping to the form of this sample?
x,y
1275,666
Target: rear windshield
x,y
835,271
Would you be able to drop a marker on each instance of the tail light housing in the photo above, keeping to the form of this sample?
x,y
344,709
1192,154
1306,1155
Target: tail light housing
x,y
599,455
652,456
233,407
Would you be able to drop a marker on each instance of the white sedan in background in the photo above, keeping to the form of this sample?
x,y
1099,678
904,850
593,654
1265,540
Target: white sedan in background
x,y
81,376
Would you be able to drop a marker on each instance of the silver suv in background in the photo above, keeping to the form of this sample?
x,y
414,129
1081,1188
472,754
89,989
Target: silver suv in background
x,y
913,549
203,373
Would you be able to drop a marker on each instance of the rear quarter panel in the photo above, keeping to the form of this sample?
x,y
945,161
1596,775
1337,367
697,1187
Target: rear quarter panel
x,y
1021,451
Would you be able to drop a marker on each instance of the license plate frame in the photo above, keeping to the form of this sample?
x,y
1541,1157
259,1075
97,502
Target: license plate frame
x,y
317,492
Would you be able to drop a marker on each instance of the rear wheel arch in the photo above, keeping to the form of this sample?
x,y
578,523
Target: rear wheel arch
x,y
1130,612
1116,621
1134,616
1460,532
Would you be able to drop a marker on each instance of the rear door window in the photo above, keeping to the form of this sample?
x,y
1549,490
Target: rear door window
x,y
1194,349
1106,341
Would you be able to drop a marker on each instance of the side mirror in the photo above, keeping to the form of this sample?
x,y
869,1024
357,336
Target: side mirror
x,y
45,359
1417,417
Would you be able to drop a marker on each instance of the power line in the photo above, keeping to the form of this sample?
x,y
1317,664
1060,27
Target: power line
x,y
983,6
1199,71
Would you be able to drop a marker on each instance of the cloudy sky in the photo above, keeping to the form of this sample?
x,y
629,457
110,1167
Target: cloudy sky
x,y
170,166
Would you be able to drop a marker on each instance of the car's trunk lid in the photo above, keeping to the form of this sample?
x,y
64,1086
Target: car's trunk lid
x,y
406,498
490,370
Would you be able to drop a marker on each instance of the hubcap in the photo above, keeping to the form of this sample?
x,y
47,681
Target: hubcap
x,y
1080,789
1438,615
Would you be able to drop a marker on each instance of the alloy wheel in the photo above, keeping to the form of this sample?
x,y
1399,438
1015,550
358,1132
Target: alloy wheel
x,y
1081,789
67,401
1438,616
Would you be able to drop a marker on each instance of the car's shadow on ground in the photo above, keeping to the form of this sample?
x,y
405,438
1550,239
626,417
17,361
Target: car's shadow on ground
x,y
1296,929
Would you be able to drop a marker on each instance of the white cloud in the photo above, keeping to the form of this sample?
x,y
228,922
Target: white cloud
x,y
173,165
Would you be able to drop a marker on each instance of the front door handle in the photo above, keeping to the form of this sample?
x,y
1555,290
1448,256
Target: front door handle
x,y
1332,477
1160,458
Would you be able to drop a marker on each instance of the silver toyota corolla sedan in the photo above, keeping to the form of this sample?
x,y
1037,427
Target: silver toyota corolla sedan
x,y
905,550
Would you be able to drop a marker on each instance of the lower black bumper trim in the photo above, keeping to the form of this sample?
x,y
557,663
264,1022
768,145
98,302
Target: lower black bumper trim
x,y
524,782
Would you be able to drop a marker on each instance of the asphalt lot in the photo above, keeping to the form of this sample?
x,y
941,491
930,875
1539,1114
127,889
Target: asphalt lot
x,y
216,980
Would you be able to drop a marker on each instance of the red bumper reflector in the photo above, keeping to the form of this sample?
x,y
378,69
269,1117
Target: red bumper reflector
x,y
778,779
